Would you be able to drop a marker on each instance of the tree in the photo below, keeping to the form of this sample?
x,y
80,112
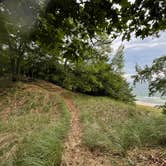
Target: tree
x,y
92,19
155,75
118,60
65,34
14,35
93,75
69,27
75,23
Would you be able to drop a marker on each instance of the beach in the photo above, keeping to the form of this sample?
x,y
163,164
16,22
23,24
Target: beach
x,y
145,103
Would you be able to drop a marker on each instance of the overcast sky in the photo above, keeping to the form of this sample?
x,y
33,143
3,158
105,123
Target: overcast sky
x,y
142,52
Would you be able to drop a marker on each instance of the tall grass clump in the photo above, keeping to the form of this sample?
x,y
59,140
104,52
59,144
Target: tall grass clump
x,y
110,125
44,148
142,132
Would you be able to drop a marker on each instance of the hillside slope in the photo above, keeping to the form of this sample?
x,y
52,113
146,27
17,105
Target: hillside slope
x,y
124,134
33,125
35,119
75,152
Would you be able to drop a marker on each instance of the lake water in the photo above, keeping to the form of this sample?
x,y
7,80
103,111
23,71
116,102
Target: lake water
x,y
141,92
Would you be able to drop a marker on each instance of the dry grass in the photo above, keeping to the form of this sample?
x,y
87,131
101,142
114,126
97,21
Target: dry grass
x,y
31,118
34,122
116,128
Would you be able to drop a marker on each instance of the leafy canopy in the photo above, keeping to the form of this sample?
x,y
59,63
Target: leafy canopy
x,y
62,35
155,75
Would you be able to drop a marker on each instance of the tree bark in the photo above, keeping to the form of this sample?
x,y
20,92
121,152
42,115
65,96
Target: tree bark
x,y
13,70
16,68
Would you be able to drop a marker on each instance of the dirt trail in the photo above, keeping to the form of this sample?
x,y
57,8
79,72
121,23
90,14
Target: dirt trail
x,y
75,152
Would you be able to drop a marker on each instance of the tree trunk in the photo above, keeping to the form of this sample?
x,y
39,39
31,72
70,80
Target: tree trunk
x,y
13,70
18,63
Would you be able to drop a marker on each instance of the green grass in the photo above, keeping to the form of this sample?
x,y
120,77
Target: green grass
x,y
33,131
109,125
34,123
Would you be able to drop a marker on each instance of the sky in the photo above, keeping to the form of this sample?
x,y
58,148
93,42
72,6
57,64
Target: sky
x,y
141,52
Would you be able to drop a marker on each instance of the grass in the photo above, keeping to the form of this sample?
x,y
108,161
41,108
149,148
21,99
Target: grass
x,y
33,126
109,125
34,123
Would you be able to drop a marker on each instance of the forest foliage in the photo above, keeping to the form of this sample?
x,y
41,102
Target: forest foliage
x,y
66,41
155,75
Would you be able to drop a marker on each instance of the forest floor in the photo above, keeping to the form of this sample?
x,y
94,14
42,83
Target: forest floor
x,y
89,136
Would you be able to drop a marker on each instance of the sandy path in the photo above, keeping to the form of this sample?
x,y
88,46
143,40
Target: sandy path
x,y
75,152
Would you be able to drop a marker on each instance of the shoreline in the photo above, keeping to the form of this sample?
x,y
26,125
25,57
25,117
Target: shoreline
x,y
145,103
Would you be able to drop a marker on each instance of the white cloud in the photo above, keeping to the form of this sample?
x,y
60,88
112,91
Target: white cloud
x,y
139,44
141,52
144,45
